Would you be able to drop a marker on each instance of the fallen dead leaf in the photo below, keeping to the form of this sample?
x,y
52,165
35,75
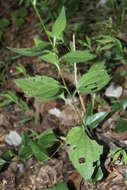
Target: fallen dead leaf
x,y
119,136
76,178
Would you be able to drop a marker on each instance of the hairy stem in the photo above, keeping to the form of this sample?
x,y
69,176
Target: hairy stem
x,y
54,49
42,23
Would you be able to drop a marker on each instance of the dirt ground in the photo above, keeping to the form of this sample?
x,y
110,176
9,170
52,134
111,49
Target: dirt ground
x,y
32,174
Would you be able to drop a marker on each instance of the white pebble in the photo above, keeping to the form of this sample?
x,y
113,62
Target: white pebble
x,y
55,111
13,139
68,101
101,3
113,91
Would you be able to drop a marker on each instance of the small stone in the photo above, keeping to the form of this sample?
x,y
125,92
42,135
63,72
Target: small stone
x,y
68,101
101,3
55,111
114,91
13,139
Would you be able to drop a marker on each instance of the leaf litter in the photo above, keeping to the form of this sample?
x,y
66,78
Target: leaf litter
x,y
34,175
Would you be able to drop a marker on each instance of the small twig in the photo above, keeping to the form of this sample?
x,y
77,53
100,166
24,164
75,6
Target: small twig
x,y
81,183
75,76
62,138
82,102
75,65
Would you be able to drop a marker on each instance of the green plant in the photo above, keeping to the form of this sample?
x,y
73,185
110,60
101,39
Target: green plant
x,y
4,23
111,50
11,97
121,125
18,17
60,186
4,68
84,151
25,2
120,153
34,144
119,8
6,157
3,71
20,69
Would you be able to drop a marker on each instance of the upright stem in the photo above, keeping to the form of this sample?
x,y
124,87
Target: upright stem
x,y
69,93
42,23
54,49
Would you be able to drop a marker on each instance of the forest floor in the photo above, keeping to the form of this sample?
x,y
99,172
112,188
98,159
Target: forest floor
x,y
32,174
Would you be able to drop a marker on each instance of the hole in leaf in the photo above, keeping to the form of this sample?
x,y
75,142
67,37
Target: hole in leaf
x,y
71,185
52,151
74,147
68,145
94,88
81,160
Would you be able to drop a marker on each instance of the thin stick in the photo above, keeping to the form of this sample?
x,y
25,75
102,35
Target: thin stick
x,y
75,75
75,65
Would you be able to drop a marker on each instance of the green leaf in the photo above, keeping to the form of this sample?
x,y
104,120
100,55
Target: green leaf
x,y
125,176
96,78
89,110
19,13
60,186
1,35
123,104
78,56
4,23
83,151
7,155
25,139
37,152
25,152
60,24
36,118
105,39
124,154
10,95
116,154
98,176
33,51
115,105
107,47
47,139
43,87
94,120
121,126
52,58
119,46
87,43
2,162
21,69
18,16
120,152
